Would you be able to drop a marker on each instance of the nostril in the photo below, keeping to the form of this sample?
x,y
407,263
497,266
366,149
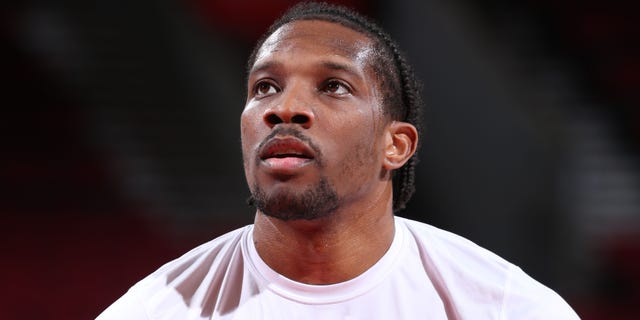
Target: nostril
x,y
300,119
273,119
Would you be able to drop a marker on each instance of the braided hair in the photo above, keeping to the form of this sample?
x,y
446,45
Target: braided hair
x,y
402,100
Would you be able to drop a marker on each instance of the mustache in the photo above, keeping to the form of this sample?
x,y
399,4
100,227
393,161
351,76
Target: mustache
x,y
292,132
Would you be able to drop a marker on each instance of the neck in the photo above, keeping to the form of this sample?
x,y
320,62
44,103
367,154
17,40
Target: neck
x,y
329,250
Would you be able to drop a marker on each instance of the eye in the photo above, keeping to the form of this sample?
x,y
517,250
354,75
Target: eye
x,y
264,88
337,87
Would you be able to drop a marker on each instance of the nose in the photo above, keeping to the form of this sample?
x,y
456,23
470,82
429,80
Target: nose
x,y
291,109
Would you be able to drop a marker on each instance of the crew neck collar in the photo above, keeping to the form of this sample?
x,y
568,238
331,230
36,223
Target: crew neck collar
x,y
324,294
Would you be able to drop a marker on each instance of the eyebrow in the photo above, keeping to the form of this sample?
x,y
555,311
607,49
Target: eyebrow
x,y
340,67
324,64
265,66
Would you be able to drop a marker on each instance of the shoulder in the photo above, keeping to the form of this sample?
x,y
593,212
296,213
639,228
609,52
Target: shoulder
x,y
452,250
176,279
456,264
526,298
472,277
206,253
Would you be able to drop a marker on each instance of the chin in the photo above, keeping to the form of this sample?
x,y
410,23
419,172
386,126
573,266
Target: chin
x,y
314,202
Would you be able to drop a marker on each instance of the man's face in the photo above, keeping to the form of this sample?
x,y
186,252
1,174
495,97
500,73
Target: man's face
x,y
313,122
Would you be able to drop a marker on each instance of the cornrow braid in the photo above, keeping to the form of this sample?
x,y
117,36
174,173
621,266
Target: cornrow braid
x,y
401,91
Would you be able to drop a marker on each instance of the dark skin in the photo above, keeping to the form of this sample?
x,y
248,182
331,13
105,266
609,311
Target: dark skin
x,y
316,77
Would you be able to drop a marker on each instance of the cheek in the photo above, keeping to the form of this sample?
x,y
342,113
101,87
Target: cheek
x,y
248,137
360,150
245,135
249,123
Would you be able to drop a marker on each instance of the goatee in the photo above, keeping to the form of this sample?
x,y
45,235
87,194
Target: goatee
x,y
314,203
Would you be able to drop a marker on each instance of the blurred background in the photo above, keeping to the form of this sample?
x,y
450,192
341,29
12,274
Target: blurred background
x,y
120,139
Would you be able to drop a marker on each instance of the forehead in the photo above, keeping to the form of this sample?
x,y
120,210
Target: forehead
x,y
319,37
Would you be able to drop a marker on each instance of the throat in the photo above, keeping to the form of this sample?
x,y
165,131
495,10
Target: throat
x,y
317,255
317,263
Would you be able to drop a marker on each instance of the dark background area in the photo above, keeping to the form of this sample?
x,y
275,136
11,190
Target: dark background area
x,y
120,139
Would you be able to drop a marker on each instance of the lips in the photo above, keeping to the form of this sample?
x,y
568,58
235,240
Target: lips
x,y
285,148
285,155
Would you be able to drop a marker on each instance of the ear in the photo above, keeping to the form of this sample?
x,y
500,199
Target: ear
x,y
401,141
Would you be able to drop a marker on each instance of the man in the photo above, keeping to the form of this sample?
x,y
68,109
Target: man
x,y
329,135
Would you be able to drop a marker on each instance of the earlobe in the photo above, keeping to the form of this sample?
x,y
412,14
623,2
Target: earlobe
x,y
401,143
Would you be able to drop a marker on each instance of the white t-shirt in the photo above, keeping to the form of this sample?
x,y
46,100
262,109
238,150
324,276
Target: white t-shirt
x,y
427,273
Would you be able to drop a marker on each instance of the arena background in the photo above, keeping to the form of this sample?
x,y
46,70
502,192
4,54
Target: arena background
x,y
120,139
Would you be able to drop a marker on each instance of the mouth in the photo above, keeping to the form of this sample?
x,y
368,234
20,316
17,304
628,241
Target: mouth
x,y
286,148
286,154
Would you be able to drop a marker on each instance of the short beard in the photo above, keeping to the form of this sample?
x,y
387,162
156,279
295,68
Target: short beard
x,y
314,203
